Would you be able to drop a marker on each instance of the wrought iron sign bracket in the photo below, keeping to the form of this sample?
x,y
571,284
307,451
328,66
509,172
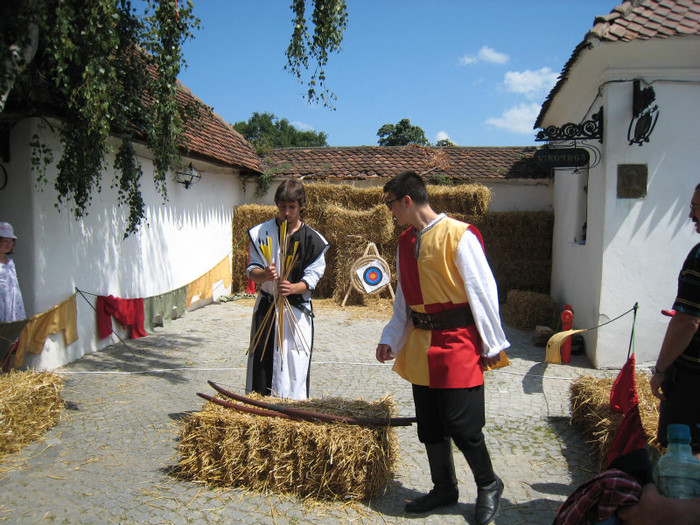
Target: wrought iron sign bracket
x,y
587,130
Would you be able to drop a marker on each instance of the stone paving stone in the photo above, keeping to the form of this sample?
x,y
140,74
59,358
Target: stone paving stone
x,y
109,458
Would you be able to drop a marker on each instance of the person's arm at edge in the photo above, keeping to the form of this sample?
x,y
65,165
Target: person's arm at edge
x,y
680,331
655,509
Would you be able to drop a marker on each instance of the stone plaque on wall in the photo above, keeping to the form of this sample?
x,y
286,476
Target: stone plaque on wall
x,y
632,181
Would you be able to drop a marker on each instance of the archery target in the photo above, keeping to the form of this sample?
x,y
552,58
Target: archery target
x,y
372,276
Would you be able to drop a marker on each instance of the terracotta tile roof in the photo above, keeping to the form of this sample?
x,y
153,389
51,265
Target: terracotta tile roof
x,y
366,162
207,136
634,20
646,19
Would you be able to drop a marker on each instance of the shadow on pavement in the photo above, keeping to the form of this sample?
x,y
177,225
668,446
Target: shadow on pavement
x,y
159,355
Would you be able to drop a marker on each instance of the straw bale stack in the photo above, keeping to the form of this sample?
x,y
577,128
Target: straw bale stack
x,y
518,244
526,310
349,232
30,404
320,195
323,461
244,218
519,249
590,409
373,225
465,199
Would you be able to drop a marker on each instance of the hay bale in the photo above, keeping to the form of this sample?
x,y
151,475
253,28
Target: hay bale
x,y
325,461
526,310
372,225
30,404
518,244
244,218
349,232
319,195
590,409
471,200
519,249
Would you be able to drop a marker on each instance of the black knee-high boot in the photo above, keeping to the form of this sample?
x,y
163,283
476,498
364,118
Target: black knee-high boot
x,y
489,486
442,473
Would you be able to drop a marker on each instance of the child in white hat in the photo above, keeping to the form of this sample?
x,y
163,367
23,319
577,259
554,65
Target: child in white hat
x,y
11,304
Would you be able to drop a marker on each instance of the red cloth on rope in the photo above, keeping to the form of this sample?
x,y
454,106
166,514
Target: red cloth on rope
x,y
623,395
128,312
630,434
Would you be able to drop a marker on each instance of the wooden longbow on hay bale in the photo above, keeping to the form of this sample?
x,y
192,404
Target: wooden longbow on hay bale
x,y
272,409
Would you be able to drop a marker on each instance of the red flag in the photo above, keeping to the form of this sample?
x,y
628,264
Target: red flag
x,y
630,434
623,395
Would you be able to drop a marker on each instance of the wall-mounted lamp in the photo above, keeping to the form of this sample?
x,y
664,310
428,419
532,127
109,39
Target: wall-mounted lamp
x,y
187,176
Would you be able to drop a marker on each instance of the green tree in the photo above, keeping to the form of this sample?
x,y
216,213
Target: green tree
x,y
442,143
265,131
105,70
401,134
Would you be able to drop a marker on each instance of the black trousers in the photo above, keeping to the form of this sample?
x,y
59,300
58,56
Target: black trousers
x,y
682,404
457,414
262,368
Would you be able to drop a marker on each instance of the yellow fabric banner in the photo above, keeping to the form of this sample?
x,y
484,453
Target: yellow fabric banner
x,y
202,286
61,318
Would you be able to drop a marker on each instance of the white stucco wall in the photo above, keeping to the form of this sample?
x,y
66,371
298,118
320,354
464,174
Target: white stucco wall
x,y
634,247
520,195
646,240
185,237
576,266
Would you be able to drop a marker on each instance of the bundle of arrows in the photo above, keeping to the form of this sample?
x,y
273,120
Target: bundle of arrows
x,y
282,311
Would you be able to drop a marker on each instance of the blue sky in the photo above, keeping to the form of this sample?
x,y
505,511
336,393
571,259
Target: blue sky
x,y
475,72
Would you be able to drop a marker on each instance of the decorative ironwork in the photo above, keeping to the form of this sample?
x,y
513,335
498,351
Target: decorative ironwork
x,y
644,116
590,129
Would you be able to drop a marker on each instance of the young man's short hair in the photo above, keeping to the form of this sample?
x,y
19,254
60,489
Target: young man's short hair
x,y
291,190
408,183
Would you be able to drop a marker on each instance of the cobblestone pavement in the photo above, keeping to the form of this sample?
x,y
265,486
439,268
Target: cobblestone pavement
x,y
108,459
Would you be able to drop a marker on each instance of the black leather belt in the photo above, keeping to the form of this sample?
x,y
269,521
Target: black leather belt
x,y
445,320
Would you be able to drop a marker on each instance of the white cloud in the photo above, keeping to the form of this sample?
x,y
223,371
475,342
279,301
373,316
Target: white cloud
x,y
532,84
302,126
518,119
485,54
442,135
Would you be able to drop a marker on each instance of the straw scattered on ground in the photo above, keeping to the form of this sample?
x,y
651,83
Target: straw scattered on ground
x,y
590,409
221,446
30,404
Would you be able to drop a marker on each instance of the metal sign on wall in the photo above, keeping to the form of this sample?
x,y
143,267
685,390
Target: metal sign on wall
x,y
562,157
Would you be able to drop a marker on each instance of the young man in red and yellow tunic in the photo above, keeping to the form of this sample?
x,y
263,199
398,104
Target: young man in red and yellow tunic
x,y
445,326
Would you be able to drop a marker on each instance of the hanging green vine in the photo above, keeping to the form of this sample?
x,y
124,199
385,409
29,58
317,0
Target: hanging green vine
x,y
107,72
330,19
